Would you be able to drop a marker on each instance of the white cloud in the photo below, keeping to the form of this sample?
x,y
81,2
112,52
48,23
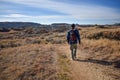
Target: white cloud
x,y
80,11
47,19
73,12
40,17
14,15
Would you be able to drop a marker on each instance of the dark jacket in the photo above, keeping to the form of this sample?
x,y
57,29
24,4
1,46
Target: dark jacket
x,y
77,35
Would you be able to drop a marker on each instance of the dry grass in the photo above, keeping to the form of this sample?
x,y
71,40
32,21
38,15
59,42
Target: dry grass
x,y
33,58
103,43
29,62
64,66
54,38
105,34
105,47
93,33
5,43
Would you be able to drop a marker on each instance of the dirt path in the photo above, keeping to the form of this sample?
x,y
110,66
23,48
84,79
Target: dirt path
x,y
51,62
85,69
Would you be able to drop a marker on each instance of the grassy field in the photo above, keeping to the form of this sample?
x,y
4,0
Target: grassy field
x,y
105,41
33,56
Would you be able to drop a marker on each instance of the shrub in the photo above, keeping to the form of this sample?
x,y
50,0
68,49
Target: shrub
x,y
105,34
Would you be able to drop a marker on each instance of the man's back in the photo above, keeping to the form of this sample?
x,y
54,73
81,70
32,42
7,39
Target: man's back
x,y
73,36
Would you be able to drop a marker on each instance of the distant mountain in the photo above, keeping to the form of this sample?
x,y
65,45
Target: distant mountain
x,y
59,24
18,24
117,24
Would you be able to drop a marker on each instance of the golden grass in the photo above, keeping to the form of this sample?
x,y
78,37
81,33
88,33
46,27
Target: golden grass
x,y
93,33
104,47
63,63
102,42
31,61
35,54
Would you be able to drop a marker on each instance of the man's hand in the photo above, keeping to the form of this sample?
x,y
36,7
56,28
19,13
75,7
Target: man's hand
x,y
79,42
68,42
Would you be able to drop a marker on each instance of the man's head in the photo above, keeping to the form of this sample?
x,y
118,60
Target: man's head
x,y
73,26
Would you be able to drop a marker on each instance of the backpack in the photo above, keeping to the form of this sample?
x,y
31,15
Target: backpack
x,y
73,36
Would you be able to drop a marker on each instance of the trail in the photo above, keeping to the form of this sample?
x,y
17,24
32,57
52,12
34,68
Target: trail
x,y
41,62
83,69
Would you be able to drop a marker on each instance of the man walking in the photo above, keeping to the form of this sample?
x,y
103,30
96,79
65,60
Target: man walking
x,y
73,37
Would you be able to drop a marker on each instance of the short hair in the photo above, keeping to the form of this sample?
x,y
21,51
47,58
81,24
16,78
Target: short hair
x,y
73,25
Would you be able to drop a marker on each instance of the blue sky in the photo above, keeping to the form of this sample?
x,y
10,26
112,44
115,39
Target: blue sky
x,y
61,11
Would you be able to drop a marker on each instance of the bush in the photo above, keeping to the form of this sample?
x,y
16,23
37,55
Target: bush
x,y
4,30
105,34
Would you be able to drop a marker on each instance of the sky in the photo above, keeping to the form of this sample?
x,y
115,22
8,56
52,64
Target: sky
x,y
60,11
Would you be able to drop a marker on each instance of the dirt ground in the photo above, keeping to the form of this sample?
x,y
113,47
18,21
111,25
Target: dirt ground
x,y
52,62
85,68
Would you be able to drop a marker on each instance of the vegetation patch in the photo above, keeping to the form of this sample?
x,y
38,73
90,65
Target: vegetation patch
x,y
115,35
64,63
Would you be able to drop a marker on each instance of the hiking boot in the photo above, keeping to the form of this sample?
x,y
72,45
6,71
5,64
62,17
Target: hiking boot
x,y
72,59
75,57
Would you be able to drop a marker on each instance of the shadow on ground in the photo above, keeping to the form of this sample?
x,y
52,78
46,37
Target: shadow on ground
x,y
102,62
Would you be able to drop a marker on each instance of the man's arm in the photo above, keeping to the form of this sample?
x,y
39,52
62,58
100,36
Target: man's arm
x,y
78,36
68,37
